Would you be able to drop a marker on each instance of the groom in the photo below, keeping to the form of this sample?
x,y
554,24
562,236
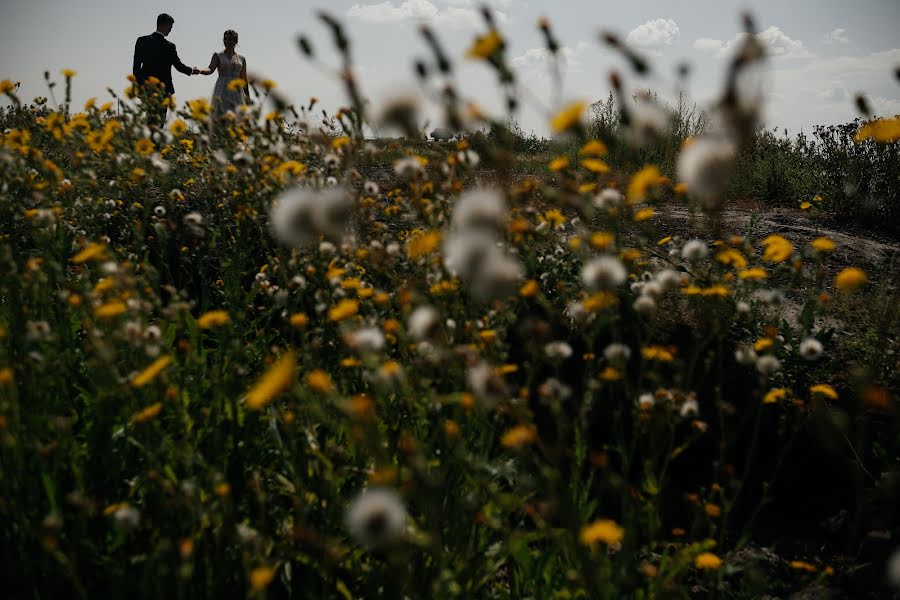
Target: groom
x,y
154,56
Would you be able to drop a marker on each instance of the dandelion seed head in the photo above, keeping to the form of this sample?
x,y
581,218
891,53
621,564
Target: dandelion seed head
x,y
377,517
811,348
422,323
481,208
768,365
704,165
694,250
604,272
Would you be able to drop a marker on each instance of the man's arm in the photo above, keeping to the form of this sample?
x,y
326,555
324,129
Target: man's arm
x,y
138,61
176,62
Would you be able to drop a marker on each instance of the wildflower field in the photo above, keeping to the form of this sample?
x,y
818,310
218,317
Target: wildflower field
x,y
266,355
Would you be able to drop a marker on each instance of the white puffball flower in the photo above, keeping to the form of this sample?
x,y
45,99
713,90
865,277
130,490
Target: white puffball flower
x,y
487,385
689,408
301,214
644,305
604,272
558,350
367,340
127,517
704,165
742,308
669,279
497,277
617,354
409,167
811,348
646,401
745,355
694,250
465,251
768,365
377,517
480,208
422,323
649,121
608,198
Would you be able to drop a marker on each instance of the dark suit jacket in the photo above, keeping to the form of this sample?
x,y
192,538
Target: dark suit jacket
x,y
154,56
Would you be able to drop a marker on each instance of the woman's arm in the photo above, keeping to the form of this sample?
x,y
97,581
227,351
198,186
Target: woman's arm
x,y
213,65
244,78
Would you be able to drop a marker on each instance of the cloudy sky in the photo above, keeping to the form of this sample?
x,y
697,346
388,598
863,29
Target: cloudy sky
x,y
824,51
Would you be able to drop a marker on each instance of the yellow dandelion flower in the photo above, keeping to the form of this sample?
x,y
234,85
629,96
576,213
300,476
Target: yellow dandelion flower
x,y
763,344
344,309
558,164
641,182
144,147
236,84
178,127
485,46
644,214
423,244
595,165
602,530
777,248
775,395
199,108
601,240
664,241
850,279
260,578
732,257
92,251
707,562
753,274
610,374
554,217
880,130
823,389
599,301
519,436
657,353
152,371
584,188
273,382
805,205
320,381
529,289
568,117
213,318
6,375
147,414
822,244
799,565
68,73
593,148
110,310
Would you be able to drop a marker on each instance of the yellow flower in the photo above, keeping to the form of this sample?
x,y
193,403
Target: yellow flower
x,y
485,46
753,274
850,279
213,318
178,127
529,289
274,381
151,372
603,530
593,148
558,164
110,310
423,244
610,374
68,73
657,353
147,414
261,577
774,395
236,84
805,205
800,565
644,214
320,381
763,344
595,165
6,375
823,389
269,85
344,309
7,86
144,147
707,562
732,257
777,248
92,251
554,217
601,240
339,142
200,108
568,117
664,241
641,182
519,436
880,130
822,244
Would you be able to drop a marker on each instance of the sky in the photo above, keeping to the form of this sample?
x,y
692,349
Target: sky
x,y
823,51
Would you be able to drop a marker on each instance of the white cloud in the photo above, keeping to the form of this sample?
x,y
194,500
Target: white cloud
x,y
658,32
835,93
709,44
538,57
779,44
885,107
837,36
460,13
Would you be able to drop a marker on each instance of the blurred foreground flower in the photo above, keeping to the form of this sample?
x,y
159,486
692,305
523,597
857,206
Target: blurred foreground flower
x,y
277,379
377,517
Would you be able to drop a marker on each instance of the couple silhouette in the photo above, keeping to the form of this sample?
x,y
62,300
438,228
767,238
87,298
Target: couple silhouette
x,y
154,57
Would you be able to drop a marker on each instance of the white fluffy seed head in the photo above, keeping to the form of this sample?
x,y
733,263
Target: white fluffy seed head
x,y
768,365
644,305
811,348
616,353
302,214
704,165
694,250
480,208
377,517
422,323
604,272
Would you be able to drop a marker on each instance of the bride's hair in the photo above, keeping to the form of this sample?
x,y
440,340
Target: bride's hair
x,y
232,32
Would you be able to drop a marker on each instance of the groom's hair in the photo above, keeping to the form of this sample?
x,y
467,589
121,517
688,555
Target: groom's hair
x,y
164,19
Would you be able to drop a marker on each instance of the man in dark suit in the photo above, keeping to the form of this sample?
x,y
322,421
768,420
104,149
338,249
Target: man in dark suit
x,y
154,56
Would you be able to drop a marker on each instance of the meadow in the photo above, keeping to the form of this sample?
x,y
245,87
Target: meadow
x,y
264,355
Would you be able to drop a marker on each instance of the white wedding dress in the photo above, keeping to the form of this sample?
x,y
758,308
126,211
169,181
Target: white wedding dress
x,y
225,99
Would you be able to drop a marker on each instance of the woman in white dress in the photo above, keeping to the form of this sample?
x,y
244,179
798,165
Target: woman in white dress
x,y
232,89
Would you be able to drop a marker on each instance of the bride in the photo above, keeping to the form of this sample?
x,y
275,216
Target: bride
x,y
232,89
